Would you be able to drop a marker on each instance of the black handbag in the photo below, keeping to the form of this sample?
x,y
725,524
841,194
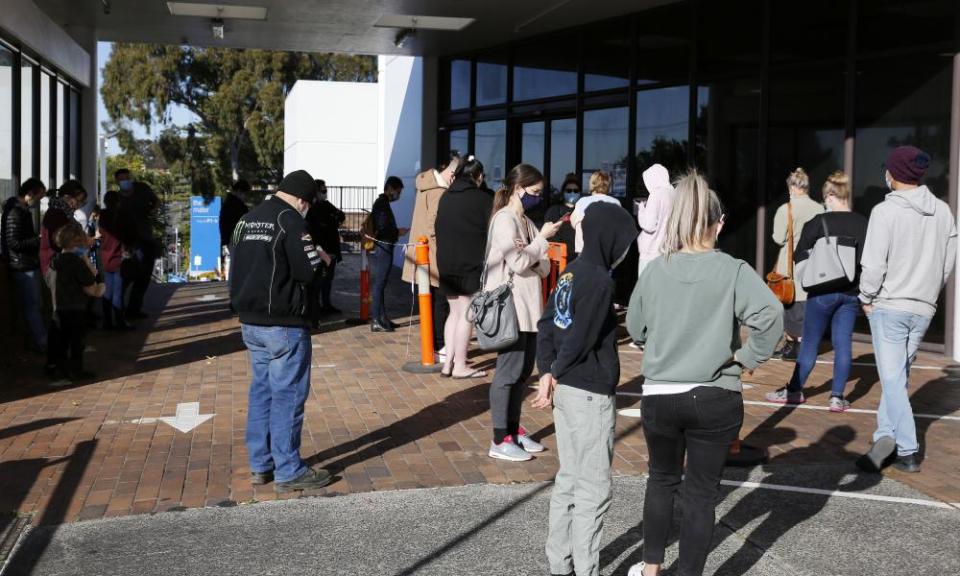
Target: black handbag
x,y
493,312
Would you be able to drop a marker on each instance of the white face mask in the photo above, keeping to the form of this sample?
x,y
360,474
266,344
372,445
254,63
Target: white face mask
x,y
889,182
621,258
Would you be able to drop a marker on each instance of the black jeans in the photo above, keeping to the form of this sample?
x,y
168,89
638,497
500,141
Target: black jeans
x,y
147,257
441,309
700,424
66,349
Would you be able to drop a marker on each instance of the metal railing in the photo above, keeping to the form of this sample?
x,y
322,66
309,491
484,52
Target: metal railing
x,y
356,202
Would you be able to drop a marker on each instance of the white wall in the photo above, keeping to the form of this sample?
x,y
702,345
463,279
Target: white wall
x,y
401,123
330,130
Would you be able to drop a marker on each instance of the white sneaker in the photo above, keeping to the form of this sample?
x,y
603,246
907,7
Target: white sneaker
x,y
507,450
636,569
528,443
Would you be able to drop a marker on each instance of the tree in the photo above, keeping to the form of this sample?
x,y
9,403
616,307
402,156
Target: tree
x,y
237,95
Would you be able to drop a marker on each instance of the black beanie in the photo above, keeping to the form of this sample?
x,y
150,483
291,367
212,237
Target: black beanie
x,y
300,184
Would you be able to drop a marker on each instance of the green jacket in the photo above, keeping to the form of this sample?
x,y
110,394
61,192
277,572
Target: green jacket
x,y
688,309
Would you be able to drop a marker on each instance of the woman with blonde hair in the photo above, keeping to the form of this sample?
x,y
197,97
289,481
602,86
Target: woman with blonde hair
x,y
517,253
834,306
688,308
802,209
599,192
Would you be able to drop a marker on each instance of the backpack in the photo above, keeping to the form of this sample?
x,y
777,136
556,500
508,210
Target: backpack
x,y
368,231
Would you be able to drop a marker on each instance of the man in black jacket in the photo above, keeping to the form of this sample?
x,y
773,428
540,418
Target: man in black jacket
x,y
323,221
20,247
274,260
381,259
232,209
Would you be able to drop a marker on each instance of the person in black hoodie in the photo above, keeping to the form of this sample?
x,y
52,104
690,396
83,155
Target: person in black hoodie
x,y
386,235
323,221
231,211
463,216
580,368
275,259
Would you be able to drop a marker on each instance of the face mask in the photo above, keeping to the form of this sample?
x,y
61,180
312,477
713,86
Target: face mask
x,y
126,185
889,182
79,250
529,201
571,197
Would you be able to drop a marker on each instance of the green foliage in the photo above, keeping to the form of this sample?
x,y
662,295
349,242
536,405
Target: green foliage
x,y
236,94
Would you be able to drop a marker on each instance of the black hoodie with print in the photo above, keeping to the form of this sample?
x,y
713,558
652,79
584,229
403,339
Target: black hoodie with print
x,y
577,334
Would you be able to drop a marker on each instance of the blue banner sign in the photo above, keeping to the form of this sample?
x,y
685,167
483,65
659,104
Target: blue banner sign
x,y
204,235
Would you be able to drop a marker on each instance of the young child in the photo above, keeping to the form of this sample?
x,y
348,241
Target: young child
x,y
74,281
580,368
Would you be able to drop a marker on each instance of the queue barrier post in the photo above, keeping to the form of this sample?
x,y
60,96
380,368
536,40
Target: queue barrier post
x,y
557,253
426,364
364,286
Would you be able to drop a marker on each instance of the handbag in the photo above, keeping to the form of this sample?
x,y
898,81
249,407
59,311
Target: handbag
x,y
782,286
493,312
829,264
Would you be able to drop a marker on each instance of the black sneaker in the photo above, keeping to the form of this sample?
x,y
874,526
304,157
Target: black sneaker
x,y
310,480
261,478
909,464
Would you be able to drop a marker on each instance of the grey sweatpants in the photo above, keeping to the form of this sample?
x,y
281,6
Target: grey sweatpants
x,y
514,367
585,424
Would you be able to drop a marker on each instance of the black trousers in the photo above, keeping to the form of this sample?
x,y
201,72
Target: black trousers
x,y
141,282
699,424
514,367
68,338
441,310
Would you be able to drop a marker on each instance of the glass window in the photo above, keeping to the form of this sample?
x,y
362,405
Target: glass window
x,y
605,146
606,49
7,185
45,88
490,146
662,130
460,141
913,110
806,130
545,69
727,127
61,129
26,120
882,21
808,30
729,35
491,81
563,149
74,134
663,44
532,140
459,84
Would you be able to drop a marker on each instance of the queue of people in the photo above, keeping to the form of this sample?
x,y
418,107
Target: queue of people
x,y
76,263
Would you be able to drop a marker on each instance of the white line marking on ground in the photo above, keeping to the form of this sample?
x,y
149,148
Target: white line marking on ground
x,y
951,416
324,365
836,493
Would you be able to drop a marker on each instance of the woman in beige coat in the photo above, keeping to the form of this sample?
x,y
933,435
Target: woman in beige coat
x,y
517,252
431,184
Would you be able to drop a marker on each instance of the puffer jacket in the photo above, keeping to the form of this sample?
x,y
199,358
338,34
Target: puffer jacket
x,y
20,242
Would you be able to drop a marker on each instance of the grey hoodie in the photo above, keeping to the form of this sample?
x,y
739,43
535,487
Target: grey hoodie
x,y
910,252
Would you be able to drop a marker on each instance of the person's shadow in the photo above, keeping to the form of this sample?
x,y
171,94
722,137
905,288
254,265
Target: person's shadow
x,y
782,511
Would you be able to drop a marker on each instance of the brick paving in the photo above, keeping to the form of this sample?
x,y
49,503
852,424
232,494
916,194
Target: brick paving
x,y
97,450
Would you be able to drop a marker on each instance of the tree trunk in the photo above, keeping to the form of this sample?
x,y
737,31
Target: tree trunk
x,y
235,159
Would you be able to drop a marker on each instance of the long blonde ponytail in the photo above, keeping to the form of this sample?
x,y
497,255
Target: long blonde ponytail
x,y
695,210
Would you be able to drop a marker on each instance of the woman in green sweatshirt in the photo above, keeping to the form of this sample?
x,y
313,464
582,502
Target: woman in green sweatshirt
x,y
688,308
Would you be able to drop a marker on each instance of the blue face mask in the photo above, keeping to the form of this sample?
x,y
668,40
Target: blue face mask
x,y
571,197
530,201
126,185
79,250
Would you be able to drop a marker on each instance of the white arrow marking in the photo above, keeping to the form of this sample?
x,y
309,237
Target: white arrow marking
x,y
188,417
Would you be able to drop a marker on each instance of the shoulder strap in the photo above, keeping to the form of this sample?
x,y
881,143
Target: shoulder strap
x,y
823,224
790,238
486,253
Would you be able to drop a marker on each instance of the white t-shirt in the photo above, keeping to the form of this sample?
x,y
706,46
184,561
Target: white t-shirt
x,y
580,209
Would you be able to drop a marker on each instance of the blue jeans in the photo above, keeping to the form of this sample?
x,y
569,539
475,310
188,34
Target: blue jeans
x,y
381,263
896,338
838,312
280,357
31,300
114,289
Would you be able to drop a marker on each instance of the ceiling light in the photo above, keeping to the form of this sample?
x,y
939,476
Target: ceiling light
x,y
217,11
401,40
216,26
423,22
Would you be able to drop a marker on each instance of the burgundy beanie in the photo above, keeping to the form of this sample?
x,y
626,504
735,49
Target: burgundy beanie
x,y
908,164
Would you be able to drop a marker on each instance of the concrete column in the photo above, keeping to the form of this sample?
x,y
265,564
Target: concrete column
x,y
953,318
89,144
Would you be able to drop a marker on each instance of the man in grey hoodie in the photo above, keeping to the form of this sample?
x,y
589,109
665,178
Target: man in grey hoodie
x,y
910,251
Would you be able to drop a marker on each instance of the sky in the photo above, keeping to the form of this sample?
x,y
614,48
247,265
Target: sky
x,y
179,116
